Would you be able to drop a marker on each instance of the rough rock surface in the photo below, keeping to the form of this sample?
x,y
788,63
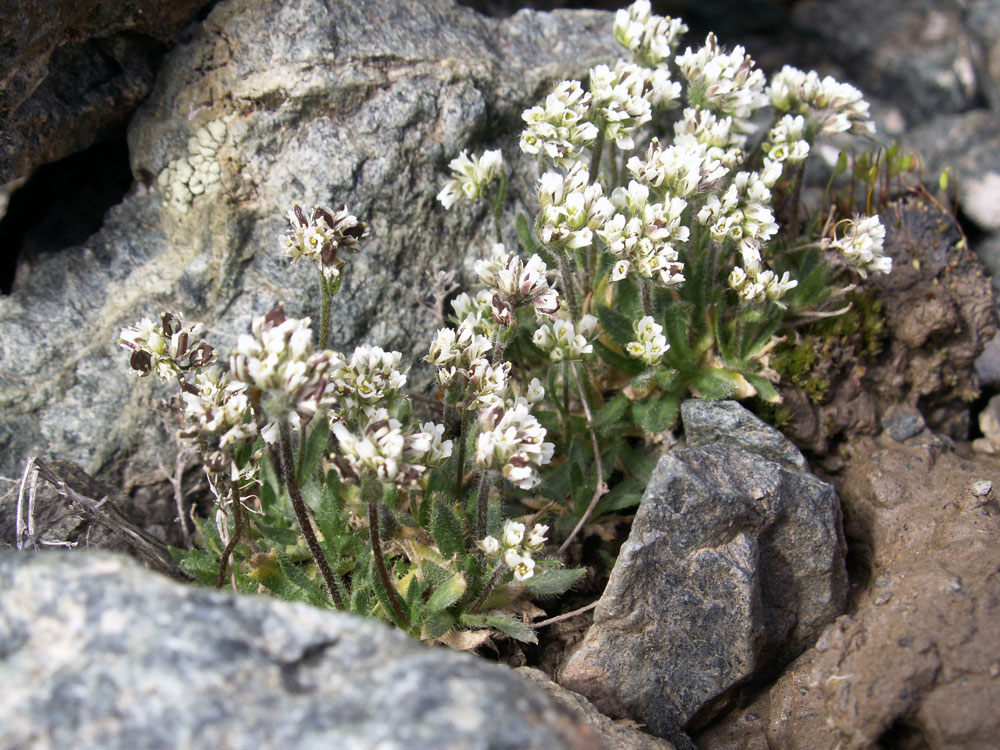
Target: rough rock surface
x,y
727,422
917,662
309,101
96,651
733,566
72,71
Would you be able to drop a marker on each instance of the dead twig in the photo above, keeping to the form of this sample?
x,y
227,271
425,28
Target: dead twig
x,y
565,616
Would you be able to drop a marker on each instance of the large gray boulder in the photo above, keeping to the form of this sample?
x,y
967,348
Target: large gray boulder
x,y
272,102
97,652
733,566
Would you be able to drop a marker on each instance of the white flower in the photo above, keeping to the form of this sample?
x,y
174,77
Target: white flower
x,y
786,142
427,446
535,392
371,376
524,569
650,38
718,136
475,311
624,97
829,106
513,533
863,245
512,557
570,208
490,547
559,130
512,439
742,214
487,382
726,83
650,344
536,538
471,176
321,236
168,349
565,342
383,451
454,350
214,409
515,283
679,170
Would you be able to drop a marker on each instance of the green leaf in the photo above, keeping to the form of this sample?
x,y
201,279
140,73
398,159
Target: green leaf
x,y
433,573
501,198
625,494
201,566
514,628
765,390
628,301
612,412
279,535
552,581
438,624
529,244
312,590
675,327
316,442
617,360
446,528
616,324
656,414
715,384
447,593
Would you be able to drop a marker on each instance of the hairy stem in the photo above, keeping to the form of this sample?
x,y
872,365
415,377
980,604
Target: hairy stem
x,y
601,489
647,297
288,469
460,468
488,588
238,531
483,502
324,314
569,290
793,228
383,573
595,155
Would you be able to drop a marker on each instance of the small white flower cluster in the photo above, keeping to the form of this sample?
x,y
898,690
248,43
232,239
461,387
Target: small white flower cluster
x,y
642,235
488,383
277,358
762,285
515,548
863,245
651,39
726,83
471,176
321,236
477,311
743,215
385,452
371,376
786,142
511,439
214,408
681,171
565,342
650,344
515,283
829,106
570,208
453,351
624,97
699,127
168,349
560,130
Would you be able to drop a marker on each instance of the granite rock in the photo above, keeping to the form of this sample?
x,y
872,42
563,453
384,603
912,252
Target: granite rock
x,y
733,566
728,422
97,652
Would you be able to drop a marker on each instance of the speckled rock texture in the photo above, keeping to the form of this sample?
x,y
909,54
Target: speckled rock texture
x,y
97,652
916,663
362,104
728,422
72,71
733,566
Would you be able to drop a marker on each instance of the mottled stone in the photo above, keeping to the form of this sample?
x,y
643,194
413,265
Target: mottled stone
x,y
734,565
96,651
729,422
903,421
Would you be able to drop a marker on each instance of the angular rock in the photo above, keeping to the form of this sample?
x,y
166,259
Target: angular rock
x,y
72,71
728,422
902,421
333,103
734,565
917,662
95,650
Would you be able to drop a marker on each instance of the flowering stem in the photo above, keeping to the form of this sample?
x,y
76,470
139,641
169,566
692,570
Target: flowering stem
x,y
460,469
595,157
383,573
237,533
288,468
488,588
565,384
647,297
793,229
601,488
324,315
568,289
488,195
483,502
613,162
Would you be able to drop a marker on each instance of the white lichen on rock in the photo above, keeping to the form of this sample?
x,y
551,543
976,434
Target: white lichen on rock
x,y
190,175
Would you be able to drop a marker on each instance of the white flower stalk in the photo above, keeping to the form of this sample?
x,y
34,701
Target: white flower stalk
x,y
650,344
512,440
651,39
560,130
563,341
726,83
786,142
515,283
168,350
863,245
370,377
570,208
383,451
320,237
277,358
829,106
678,170
472,176
454,350
643,235
214,407
718,136
743,216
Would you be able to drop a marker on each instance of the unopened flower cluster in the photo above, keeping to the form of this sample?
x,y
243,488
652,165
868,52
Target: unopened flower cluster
x,y
167,350
320,236
863,245
472,177
515,547
515,284
650,344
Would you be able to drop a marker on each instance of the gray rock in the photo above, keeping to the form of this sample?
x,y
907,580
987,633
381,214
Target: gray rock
x,y
983,22
728,422
903,421
308,101
733,566
71,72
97,652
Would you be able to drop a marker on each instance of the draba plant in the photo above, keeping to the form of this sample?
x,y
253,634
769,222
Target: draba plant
x,y
654,267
